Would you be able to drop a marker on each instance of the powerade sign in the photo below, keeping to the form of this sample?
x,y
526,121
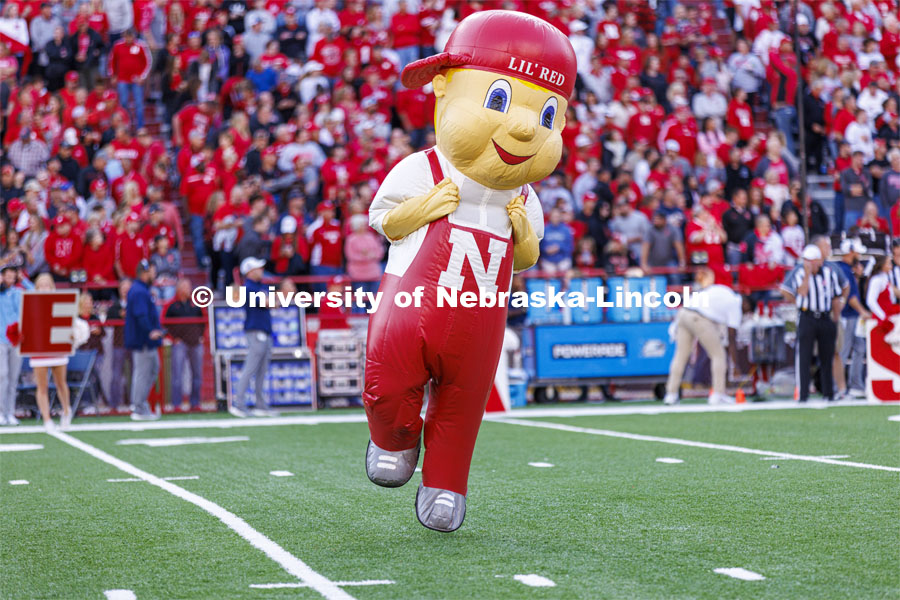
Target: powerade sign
x,y
604,350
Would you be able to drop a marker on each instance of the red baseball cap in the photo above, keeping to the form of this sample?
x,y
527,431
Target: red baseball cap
x,y
759,182
8,169
133,217
326,205
61,220
98,184
15,205
506,42
72,76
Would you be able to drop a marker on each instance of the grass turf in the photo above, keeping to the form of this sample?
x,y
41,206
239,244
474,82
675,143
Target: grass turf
x,y
607,521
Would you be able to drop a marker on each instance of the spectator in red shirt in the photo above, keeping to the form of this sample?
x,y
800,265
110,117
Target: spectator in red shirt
x,y
287,256
98,258
740,115
703,241
156,226
326,242
329,52
62,249
783,79
130,248
197,187
129,65
405,30
870,221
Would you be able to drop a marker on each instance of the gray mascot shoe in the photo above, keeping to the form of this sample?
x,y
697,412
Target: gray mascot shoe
x,y
391,469
439,509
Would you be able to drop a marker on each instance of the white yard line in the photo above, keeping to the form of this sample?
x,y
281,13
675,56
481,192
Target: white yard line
x,y
119,595
278,586
20,447
739,573
894,418
281,474
18,482
824,456
679,442
533,580
163,442
565,411
669,461
293,565
130,479
540,465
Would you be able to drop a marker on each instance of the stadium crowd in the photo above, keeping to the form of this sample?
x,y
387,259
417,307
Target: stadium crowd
x,y
197,133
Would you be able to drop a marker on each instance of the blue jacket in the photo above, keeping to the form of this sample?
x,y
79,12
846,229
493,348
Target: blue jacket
x,y
257,319
559,235
141,317
10,307
848,311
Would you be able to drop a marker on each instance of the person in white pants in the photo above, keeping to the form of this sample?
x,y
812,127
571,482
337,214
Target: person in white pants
x,y
705,323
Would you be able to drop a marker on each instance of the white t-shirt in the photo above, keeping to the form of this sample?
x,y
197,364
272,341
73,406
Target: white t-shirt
x,y
724,306
479,207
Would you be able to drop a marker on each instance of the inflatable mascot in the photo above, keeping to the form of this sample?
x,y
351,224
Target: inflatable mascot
x,y
460,216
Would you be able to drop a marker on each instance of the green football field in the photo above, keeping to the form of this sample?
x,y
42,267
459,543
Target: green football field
x,y
567,503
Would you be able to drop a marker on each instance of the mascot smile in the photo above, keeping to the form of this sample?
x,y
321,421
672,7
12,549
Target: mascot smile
x,y
460,215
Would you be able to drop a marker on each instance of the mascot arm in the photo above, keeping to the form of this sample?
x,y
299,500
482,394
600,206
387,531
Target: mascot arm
x,y
526,245
415,212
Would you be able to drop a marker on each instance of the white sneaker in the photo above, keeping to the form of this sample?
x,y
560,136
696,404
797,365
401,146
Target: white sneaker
x,y
135,416
671,399
3,420
857,393
238,412
263,412
65,421
11,420
50,426
720,399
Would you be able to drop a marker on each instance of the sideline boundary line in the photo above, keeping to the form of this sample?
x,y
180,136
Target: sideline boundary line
x,y
293,565
561,412
706,445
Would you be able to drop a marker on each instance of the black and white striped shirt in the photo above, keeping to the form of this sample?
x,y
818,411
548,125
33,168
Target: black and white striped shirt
x,y
823,288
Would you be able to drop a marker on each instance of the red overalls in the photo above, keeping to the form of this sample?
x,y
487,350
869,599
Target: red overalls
x,y
456,348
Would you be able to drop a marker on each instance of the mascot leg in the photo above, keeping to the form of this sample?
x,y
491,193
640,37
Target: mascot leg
x,y
393,404
394,388
451,427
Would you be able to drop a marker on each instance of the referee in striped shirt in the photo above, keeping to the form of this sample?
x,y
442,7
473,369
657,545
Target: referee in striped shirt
x,y
817,291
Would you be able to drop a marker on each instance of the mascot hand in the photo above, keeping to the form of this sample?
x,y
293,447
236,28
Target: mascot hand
x,y
526,248
416,212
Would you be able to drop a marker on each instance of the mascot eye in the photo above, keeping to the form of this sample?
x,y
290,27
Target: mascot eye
x,y
548,113
498,95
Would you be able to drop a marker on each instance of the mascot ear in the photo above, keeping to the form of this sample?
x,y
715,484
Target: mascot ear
x,y
440,85
562,123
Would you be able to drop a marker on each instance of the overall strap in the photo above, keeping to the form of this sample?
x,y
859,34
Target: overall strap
x,y
436,171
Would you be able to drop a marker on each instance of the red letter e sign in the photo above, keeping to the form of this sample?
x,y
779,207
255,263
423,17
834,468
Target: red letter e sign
x,y
47,323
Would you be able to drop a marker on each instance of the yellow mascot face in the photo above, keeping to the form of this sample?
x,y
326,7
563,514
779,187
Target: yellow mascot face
x,y
501,131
